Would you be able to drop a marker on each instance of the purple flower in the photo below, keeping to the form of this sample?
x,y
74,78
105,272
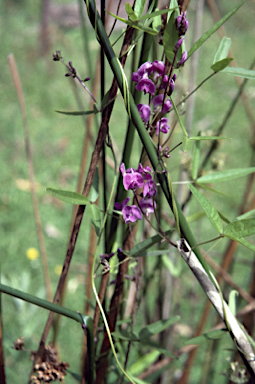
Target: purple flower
x,y
146,85
130,213
143,71
144,112
158,101
183,59
149,189
120,206
162,126
170,83
132,179
182,23
178,44
147,205
145,172
158,69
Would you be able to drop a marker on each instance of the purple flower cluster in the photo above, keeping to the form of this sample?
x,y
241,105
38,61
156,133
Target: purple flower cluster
x,y
133,179
151,78
182,23
181,26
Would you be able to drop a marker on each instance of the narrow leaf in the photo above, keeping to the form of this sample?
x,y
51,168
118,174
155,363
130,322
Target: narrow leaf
x,y
131,13
211,31
232,301
240,228
125,335
94,191
220,65
157,327
247,215
224,218
208,138
146,244
222,52
158,347
209,209
69,197
139,7
137,25
175,270
76,113
186,143
170,37
143,363
212,335
156,13
216,177
195,160
95,218
241,72
242,241
204,186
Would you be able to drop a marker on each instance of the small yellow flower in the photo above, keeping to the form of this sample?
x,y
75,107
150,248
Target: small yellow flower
x,y
58,269
32,253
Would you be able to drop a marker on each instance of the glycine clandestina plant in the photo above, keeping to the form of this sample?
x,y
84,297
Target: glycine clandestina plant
x,y
118,330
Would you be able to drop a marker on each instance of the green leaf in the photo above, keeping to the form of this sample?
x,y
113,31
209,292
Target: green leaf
x,y
95,218
158,347
204,186
94,191
77,113
216,177
170,37
241,72
139,7
240,228
157,327
210,31
195,216
157,13
211,335
69,197
195,160
224,218
222,52
143,363
131,13
175,270
208,138
209,209
156,23
186,143
242,241
138,250
247,215
232,301
220,65
137,25
125,335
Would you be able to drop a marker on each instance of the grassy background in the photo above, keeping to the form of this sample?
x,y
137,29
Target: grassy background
x,y
57,144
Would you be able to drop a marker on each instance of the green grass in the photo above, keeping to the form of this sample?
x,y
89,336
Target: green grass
x,y
57,144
